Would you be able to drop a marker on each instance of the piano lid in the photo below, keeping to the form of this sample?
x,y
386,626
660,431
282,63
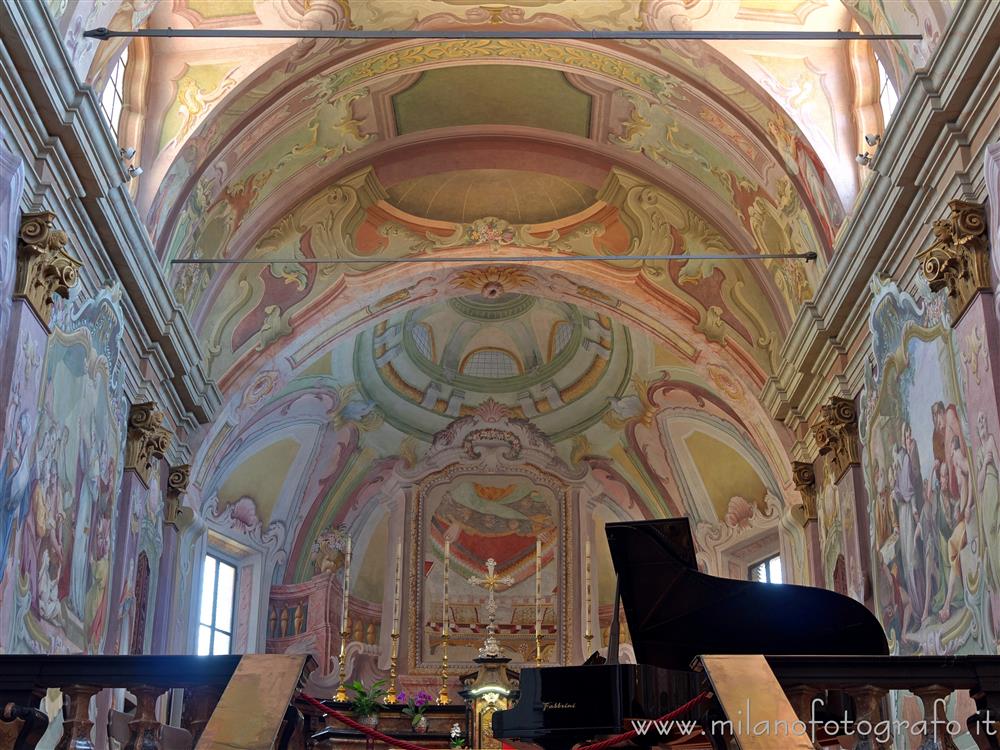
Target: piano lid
x,y
676,613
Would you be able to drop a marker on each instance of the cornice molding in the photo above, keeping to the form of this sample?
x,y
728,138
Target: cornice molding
x,y
63,125
926,158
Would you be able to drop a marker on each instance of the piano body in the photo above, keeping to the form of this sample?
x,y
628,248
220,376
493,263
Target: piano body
x,y
675,614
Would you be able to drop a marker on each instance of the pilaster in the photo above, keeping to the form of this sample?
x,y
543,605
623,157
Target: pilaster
x,y
844,498
804,478
977,339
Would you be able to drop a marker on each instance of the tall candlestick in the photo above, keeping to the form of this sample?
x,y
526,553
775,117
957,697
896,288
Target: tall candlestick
x,y
347,586
538,588
390,697
587,634
443,698
396,593
444,602
341,694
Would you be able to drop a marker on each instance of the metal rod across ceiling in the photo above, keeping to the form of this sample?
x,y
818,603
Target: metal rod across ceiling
x,y
802,36
485,259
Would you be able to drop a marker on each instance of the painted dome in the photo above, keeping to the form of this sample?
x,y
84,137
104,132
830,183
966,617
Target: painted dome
x,y
547,360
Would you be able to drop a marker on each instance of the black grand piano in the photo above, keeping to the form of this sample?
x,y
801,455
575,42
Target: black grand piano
x,y
676,613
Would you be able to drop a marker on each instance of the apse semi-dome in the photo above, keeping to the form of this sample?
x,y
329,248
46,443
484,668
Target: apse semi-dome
x,y
549,361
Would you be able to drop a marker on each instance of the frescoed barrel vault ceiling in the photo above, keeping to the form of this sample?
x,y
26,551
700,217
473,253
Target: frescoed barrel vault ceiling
x,y
637,380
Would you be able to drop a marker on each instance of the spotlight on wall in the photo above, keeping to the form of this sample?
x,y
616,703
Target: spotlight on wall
x,y
873,139
127,153
863,159
134,172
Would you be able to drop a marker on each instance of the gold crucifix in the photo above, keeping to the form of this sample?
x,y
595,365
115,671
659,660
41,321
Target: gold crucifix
x,y
491,649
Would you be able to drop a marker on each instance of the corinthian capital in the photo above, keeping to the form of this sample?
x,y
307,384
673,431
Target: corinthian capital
x,y
804,478
959,259
44,268
174,512
147,439
836,434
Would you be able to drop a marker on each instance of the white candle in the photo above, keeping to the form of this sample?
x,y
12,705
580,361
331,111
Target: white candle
x,y
586,570
347,586
538,587
444,605
396,602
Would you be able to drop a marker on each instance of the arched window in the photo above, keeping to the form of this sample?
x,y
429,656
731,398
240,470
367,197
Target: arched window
x,y
113,96
887,96
491,363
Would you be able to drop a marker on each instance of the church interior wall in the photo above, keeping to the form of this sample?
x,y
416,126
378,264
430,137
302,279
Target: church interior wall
x,y
150,416
82,535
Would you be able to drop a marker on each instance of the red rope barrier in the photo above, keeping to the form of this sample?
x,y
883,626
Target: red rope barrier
x,y
348,721
626,736
403,745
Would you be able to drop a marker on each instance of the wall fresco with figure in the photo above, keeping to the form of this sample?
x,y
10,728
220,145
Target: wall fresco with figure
x,y
62,476
925,486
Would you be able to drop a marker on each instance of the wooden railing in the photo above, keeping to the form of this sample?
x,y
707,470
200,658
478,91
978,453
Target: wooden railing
x,y
222,699
249,702
864,682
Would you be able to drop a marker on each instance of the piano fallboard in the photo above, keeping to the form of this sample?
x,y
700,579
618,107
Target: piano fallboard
x,y
565,705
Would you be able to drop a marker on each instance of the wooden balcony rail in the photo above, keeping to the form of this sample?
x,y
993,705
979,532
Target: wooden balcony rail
x,y
227,701
863,682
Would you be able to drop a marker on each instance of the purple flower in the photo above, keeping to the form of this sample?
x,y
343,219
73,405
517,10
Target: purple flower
x,y
422,699
401,697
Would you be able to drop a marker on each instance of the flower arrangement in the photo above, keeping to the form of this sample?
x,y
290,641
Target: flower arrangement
x,y
415,706
367,701
457,740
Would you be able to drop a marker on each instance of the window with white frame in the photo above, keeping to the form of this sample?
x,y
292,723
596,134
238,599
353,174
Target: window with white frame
x,y
887,96
766,571
113,96
218,602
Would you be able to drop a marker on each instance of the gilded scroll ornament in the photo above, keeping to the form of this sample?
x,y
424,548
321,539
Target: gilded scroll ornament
x,y
836,434
147,439
804,477
493,281
174,512
44,268
959,258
